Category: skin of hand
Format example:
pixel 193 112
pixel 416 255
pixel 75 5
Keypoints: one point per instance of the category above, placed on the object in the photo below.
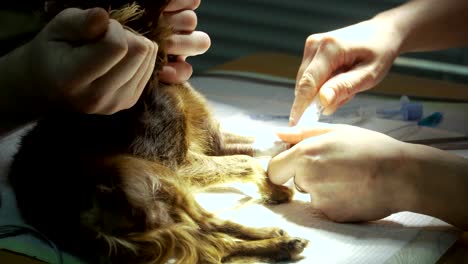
pixel 338 64
pixel 86 61
pixel 185 42
pixel 353 174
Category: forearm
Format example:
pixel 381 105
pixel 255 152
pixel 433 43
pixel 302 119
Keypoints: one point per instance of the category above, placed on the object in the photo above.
pixel 426 25
pixel 19 103
pixel 438 182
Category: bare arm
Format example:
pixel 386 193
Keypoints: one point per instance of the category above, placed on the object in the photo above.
pixel 438 185
pixel 429 24
pixel 17 102
pixel 338 64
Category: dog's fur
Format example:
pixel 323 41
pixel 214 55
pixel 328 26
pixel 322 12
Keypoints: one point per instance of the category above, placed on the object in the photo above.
pixel 120 188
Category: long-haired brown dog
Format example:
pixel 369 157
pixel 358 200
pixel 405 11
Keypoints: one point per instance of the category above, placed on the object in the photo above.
pixel 120 188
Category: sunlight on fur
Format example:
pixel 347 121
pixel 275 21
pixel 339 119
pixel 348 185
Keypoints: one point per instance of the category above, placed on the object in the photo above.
pixel 136 173
pixel 266 141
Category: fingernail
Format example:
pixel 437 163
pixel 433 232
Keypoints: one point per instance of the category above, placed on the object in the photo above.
pixel 327 96
pixel 95 22
pixel 292 122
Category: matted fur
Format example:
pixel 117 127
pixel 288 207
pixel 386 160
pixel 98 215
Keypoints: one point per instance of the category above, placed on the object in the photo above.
pixel 119 188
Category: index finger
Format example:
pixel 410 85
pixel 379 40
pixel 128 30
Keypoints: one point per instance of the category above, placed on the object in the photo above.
pixel 192 44
pixel 178 5
pixel 325 61
pixel 300 103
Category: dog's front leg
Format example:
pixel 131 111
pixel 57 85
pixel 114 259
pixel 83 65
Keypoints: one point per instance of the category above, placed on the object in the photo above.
pixel 204 171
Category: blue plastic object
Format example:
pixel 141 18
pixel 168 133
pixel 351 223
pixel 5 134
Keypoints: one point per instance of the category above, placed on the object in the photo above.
pixel 432 120
pixel 409 111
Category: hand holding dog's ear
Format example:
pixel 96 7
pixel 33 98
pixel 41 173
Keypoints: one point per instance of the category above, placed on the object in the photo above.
pixel 88 61
pixel 85 60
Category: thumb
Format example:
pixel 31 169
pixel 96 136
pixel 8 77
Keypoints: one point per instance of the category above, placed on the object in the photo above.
pixel 282 167
pixel 345 85
pixel 75 25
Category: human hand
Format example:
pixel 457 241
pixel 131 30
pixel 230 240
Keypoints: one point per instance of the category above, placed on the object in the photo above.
pixel 185 42
pixel 87 61
pixel 351 174
pixel 338 64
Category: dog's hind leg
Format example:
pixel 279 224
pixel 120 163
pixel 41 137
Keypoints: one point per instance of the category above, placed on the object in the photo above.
pixel 239 243
pixel 211 223
pixel 277 249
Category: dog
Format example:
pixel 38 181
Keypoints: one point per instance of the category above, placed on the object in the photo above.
pixel 119 188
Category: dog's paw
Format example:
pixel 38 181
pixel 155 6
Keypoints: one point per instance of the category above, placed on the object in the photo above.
pixel 277 194
pixel 275 232
pixel 291 248
pixel 271 149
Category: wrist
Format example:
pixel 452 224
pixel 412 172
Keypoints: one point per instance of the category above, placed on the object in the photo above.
pixel 410 174
pixel 19 94
pixel 437 184
pixel 397 32
pixel 12 71
pixel 400 173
